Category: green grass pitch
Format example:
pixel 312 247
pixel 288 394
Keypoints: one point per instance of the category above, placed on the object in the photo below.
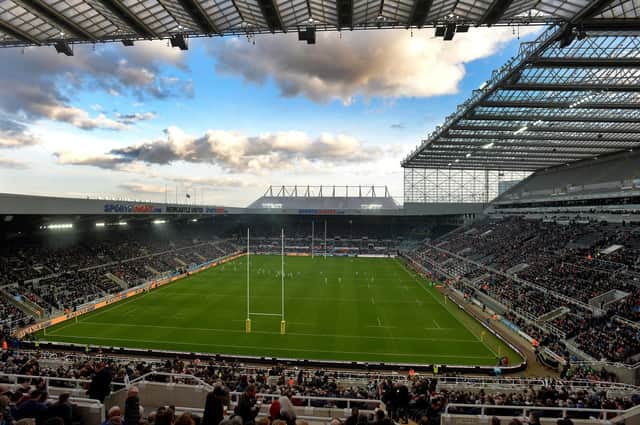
pixel 338 308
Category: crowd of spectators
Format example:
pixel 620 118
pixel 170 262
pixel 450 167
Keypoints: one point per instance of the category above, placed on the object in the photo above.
pixel 610 340
pixel 589 373
pixel 356 246
pixel 531 265
pixel 57 280
pixel 420 398
pixel 12 316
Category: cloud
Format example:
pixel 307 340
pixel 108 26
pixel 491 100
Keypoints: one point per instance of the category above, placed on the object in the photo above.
pixel 40 84
pixel 12 164
pixel 129 119
pixel 14 134
pixel 236 152
pixel 142 188
pixel 388 64
pixel 105 162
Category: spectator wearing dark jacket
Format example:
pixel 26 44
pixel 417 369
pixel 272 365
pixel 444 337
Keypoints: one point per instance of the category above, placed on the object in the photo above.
pixel 214 406
pixel 100 386
pixel 132 407
pixel 246 407
pixel 34 407
pixel 61 409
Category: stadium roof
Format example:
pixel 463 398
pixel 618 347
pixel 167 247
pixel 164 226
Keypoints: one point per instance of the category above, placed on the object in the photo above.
pixel 572 94
pixel 63 22
pixel 357 198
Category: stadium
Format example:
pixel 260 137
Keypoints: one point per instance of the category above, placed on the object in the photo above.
pixel 501 285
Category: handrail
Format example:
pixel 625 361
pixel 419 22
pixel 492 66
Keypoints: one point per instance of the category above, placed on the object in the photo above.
pixel 526 410
pixel 526 382
pixel 364 377
pixel 235 395
pixel 172 378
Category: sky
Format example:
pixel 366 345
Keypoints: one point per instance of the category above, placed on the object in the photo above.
pixel 231 116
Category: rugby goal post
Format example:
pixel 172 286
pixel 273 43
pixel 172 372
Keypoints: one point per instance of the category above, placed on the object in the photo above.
pixel 283 323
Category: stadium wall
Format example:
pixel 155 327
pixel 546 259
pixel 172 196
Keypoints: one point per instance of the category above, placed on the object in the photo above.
pixel 16 204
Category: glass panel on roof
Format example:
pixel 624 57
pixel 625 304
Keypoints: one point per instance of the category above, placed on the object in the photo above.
pixel 223 13
pixel 251 13
pixel 471 10
pixel 27 22
pixel 152 14
pixel 84 16
pixel 627 9
pixel 397 11
pixel 365 11
pixel 440 9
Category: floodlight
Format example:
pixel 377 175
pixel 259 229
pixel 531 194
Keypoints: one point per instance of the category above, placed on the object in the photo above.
pixel 311 35
pixel 449 32
pixel 179 40
pixel 63 47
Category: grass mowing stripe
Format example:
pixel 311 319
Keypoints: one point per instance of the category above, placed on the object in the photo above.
pixel 279 348
pixel 225 330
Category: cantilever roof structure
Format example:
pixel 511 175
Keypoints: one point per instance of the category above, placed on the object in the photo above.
pixel 64 22
pixel 565 97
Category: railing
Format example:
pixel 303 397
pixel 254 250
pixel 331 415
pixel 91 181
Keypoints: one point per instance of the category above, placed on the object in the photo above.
pixel 520 383
pixel 50 381
pixel 308 401
pixel 524 411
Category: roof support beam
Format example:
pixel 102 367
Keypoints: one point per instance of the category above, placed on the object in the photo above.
pixel 471 145
pixel 271 15
pixel 199 16
pixel 593 7
pixel 572 87
pixel 509 156
pixel 419 13
pixel 611 25
pixel 584 62
pixel 57 19
pixel 483 165
pixel 541 153
pixel 550 104
pixel 444 168
pixel 495 12
pixel 117 8
pixel 558 118
pixel 18 33
pixel 344 8
pixel 546 129
pixel 560 141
